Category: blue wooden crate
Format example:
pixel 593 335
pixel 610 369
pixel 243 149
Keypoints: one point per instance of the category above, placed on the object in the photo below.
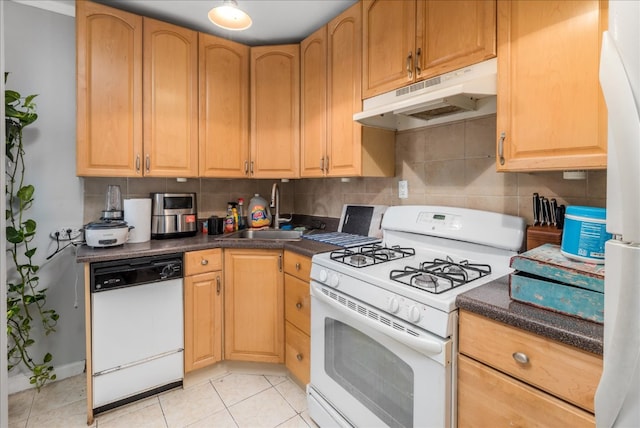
pixel 557 296
pixel 546 262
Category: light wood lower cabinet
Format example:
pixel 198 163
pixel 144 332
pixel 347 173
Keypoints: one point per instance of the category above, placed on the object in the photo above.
pixel 254 305
pixel 203 298
pixel 510 377
pixel 297 312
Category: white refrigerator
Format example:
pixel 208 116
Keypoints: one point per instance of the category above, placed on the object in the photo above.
pixel 617 401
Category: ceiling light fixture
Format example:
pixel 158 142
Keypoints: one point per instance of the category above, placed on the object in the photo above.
pixel 229 16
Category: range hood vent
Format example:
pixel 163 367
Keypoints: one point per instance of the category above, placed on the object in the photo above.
pixel 460 94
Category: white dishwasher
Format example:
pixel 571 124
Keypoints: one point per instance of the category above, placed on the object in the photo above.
pixel 137 339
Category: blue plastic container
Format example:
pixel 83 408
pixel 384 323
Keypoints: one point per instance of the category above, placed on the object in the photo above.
pixel 584 234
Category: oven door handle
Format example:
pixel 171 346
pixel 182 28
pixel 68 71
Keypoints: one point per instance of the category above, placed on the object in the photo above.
pixel 427 347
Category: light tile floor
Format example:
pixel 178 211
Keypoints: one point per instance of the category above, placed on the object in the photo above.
pixel 228 400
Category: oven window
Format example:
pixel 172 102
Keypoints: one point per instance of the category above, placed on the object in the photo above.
pixel 371 373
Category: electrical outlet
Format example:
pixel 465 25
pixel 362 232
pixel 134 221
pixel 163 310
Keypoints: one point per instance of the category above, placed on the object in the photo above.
pixel 403 189
pixel 66 234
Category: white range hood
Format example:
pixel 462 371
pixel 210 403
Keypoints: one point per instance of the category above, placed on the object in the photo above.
pixel 460 94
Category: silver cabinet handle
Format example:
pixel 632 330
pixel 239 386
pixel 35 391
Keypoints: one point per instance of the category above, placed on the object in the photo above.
pixel 138 163
pixel 280 263
pixel 298 305
pixel 501 147
pixel 297 266
pixel 204 262
pixel 409 70
pixel 321 164
pixel 417 62
pixel 147 163
pixel 246 167
pixel 299 357
pixel 218 285
pixel 520 357
pixel 251 168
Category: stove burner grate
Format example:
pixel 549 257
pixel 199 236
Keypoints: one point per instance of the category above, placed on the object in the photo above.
pixel 439 275
pixel 370 254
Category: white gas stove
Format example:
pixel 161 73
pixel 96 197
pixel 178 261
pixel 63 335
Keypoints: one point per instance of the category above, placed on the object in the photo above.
pixel 395 301
pixel 428 256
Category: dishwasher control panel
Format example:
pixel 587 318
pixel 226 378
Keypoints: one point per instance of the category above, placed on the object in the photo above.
pixel 115 274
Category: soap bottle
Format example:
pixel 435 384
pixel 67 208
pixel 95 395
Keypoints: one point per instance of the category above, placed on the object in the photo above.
pixel 259 214
pixel 241 218
pixel 229 225
pixel 234 211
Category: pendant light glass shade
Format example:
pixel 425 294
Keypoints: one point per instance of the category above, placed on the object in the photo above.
pixel 229 17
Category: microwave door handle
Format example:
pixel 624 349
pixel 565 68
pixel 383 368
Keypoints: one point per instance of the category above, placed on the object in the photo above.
pixel 425 346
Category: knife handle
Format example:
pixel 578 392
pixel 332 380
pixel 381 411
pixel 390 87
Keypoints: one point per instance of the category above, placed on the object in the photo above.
pixel 536 209
pixel 560 216
pixel 546 211
pixel 552 211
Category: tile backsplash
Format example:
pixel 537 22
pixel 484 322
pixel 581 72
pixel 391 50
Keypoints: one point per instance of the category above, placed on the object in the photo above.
pixel 450 165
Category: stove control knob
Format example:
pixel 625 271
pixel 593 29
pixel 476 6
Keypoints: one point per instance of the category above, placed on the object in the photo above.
pixel 414 314
pixel 323 276
pixel 394 305
pixel 334 280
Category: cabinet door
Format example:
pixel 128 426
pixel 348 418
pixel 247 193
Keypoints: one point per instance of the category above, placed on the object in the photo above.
pixel 254 305
pixel 224 107
pixel 202 320
pixel 551 112
pixel 109 91
pixel 170 100
pixel 275 111
pixel 453 34
pixel 389 31
pixel 344 142
pixel 488 398
pixel 313 111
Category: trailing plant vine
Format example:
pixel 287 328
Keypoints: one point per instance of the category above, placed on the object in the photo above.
pixel 25 300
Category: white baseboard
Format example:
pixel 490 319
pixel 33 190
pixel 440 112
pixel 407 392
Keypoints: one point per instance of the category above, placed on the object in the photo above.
pixel 20 381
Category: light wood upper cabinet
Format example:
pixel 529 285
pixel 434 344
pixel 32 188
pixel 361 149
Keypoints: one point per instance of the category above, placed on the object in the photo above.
pixel 551 112
pixel 203 308
pixel 333 144
pixel 275 111
pixel 170 67
pixel 313 104
pixel 454 34
pixel 109 91
pixel 254 305
pixel 224 107
pixel 408 41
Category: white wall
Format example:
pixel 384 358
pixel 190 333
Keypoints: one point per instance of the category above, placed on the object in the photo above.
pixel 40 56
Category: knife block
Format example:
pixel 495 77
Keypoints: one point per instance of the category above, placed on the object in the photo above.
pixel 539 235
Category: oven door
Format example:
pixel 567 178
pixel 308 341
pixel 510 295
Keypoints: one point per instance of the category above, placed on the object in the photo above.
pixel 371 369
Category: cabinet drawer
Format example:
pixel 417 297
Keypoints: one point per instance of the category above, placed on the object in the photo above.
pixel 297 265
pixel 196 262
pixel 488 398
pixel 297 303
pixel 562 370
pixel 297 352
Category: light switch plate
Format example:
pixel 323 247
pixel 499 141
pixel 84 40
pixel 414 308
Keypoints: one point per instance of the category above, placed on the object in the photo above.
pixel 403 189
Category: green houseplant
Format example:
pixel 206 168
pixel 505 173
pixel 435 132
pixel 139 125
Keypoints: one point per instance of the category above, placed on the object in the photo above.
pixel 26 302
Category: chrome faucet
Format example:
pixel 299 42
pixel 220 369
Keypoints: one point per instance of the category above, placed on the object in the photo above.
pixel 275 203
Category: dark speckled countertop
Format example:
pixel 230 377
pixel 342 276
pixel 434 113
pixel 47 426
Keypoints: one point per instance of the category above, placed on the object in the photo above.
pixel 492 301
pixel 87 254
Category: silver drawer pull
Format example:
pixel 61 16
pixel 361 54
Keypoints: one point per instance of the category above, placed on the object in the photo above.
pixel 520 357
pixel 299 305
pixel 204 262
pixel 297 266
pixel 299 357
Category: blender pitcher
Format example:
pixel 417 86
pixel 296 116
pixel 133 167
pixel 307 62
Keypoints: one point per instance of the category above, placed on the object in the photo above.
pixel 113 204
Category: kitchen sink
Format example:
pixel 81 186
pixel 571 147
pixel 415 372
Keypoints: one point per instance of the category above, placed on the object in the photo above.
pixel 266 234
